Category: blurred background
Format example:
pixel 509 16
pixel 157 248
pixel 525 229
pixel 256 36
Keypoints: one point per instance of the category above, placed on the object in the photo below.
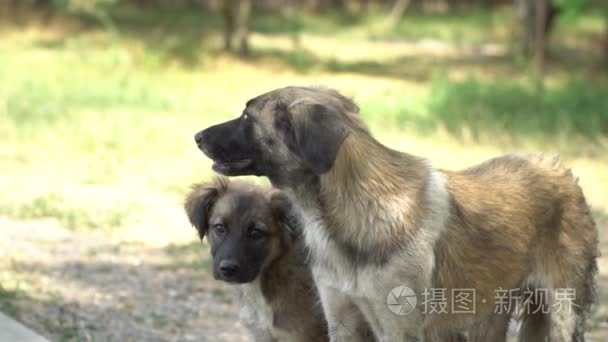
pixel 100 99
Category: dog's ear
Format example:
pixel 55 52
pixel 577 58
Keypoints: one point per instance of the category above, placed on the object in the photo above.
pixel 315 134
pixel 285 214
pixel 200 201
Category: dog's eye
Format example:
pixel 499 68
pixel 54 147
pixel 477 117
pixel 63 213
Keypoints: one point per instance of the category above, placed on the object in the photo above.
pixel 245 116
pixel 256 234
pixel 219 228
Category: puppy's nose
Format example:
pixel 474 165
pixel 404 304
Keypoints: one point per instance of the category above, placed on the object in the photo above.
pixel 229 267
pixel 198 137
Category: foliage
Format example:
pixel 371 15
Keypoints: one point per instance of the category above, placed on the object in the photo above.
pixel 70 215
pixel 571 8
pixel 575 108
pixel 103 111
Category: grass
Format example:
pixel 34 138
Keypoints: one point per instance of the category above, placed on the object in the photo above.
pixel 575 109
pixel 71 215
pixel 94 122
pixel 7 299
pixel 194 255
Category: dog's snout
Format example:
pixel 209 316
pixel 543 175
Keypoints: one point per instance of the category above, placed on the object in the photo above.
pixel 198 137
pixel 229 267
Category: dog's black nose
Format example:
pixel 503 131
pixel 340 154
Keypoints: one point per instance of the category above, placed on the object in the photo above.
pixel 228 267
pixel 198 137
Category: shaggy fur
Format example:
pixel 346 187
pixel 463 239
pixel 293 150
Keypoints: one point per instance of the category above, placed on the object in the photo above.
pixel 376 218
pixel 280 301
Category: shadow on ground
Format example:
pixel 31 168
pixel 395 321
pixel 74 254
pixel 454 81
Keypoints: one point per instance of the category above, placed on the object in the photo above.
pixel 83 286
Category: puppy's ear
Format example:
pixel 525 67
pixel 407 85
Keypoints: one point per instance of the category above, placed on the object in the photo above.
pixel 200 201
pixel 314 133
pixel 285 214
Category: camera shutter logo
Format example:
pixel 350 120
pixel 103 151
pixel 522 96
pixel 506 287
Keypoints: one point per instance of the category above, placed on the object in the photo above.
pixel 401 300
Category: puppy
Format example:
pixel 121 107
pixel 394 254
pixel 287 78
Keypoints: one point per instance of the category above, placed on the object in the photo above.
pixel 255 243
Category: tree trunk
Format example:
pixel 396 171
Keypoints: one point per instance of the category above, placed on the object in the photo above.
pixel 228 15
pixel 397 12
pixel 435 6
pixel 242 26
pixel 606 38
pixel 541 42
pixel 313 6
pixel 537 17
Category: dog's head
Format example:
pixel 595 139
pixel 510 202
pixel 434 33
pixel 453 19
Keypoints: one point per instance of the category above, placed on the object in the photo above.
pixel 287 131
pixel 247 227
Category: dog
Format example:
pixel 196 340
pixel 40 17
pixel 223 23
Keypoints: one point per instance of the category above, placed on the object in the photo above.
pixel 376 218
pixel 255 242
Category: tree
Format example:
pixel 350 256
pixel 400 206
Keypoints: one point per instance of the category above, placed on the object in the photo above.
pixel 537 19
pixel 606 36
pixel 399 8
pixel 237 14
pixel 541 42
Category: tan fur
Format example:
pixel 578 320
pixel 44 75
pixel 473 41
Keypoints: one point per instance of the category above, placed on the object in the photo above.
pixel 524 220
pixel 378 218
pixel 511 218
pixel 281 304
pixel 395 202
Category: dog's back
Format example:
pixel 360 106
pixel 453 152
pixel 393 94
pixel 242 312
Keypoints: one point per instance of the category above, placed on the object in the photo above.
pixel 526 225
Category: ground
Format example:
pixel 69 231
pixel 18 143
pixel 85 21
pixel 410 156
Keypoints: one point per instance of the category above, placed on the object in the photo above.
pixel 148 282
pixel 92 287
pixel 97 151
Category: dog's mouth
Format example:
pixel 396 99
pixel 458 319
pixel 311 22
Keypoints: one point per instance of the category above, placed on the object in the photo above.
pixel 231 168
pixel 235 281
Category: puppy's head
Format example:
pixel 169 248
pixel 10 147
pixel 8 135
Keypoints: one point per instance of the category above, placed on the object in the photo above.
pixel 247 227
pixel 286 132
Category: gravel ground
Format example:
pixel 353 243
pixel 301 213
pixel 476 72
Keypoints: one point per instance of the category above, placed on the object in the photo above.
pixel 92 286
pixel 88 286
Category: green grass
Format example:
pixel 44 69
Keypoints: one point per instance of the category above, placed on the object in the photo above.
pixel 194 255
pixel 116 112
pixel 474 26
pixel 7 301
pixel 75 216
pixel 574 109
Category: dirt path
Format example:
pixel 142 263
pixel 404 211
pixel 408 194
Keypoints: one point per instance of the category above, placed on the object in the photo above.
pixel 91 286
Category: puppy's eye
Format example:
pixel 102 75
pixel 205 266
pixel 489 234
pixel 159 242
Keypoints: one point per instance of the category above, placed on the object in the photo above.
pixel 256 234
pixel 245 116
pixel 219 228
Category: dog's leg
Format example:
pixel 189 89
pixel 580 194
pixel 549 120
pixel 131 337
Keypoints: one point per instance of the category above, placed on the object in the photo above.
pixel 389 326
pixel 344 319
pixel 563 317
pixel 561 324
pixel 431 333
pixel 494 328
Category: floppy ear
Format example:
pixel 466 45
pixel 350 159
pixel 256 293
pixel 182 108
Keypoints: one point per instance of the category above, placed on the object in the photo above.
pixel 200 201
pixel 285 214
pixel 318 133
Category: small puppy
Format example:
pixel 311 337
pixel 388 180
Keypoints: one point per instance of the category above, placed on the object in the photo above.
pixel 255 242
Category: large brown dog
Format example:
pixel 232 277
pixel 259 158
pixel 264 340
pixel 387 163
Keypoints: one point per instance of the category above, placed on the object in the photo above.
pixel 376 218
pixel 255 242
